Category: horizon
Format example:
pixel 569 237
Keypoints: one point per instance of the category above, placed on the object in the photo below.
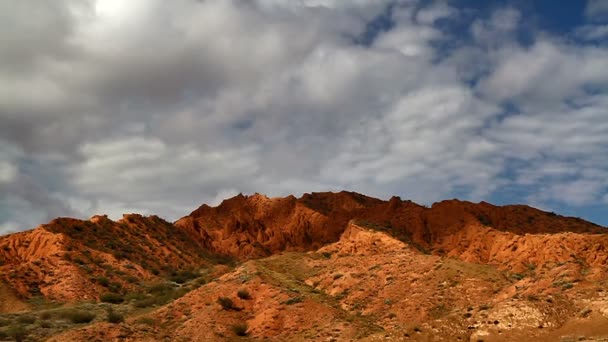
pixel 151 107
pixel 300 196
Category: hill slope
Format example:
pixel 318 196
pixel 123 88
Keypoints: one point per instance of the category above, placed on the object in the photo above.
pixel 324 266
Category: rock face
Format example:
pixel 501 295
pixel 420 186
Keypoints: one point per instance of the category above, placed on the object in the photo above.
pixel 510 236
pixel 256 226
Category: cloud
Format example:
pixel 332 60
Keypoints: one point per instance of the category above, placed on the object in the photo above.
pixel 156 107
pixel 592 32
pixel 597 9
pixel 545 73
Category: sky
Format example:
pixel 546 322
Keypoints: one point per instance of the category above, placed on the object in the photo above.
pixel 155 107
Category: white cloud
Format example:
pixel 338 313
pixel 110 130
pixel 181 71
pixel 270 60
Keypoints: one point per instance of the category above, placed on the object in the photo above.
pixel 592 32
pixel 597 9
pixel 156 106
pixel 546 73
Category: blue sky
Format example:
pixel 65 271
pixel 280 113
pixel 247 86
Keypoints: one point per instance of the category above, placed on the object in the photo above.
pixel 155 107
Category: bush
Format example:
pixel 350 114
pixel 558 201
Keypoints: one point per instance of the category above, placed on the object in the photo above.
pixel 146 302
pixel 26 319
pixel 115 317
pixel 45 315
pixel 111 297
pixel 183 276
pixel 103 281
pixel 79 317
pixel 132 279
pixel 146 320
pixel 17 332
pixel 240 329
pixel 243 294
pixel 226 303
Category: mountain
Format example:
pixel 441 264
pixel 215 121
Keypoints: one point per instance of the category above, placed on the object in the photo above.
pixel 324 266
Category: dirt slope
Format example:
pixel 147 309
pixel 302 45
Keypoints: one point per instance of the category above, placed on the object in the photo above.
pixel 69 259
pixel 369 286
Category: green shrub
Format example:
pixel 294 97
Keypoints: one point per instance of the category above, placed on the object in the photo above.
pixel 114 287
pixel 114 317
pixel 145 302
pixel 135 296
pixel 79 316
pixel 183 276
pixel 243 294
pixel 146 320
pixel 240 329
pixel 131 279
pixel 103 281
pixel 17 332
pixel 45 324
pixel 160 288
pixel 111 297
pixel 226 303
pixel 45 315
pixel 26 319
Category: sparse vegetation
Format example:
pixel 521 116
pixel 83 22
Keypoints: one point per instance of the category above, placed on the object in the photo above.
pixel 103 281
pixel 226 303
pixel 17 332
pixel 183 276
pixel 294 300
pixel 146 320
pixel 114 317
pixel 26 319
pixel 78 316
pixel 517 276
pixel 243 294
pixel 240 329
pixel 111 297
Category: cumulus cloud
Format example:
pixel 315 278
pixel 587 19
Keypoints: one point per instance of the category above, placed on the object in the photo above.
pixel 155 106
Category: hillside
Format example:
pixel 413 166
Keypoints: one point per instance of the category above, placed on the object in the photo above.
pixel 325 266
